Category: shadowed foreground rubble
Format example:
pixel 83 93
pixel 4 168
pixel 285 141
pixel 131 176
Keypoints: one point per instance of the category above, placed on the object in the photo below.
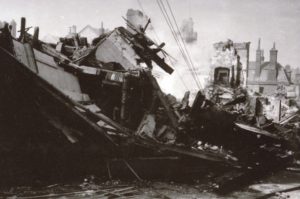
pixel 92 187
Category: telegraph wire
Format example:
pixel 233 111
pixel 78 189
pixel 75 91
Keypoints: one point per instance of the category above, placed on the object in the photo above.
pixel 169 22
pixel 180 45
pixel 156 35
pixel 174 34
pixel 179 32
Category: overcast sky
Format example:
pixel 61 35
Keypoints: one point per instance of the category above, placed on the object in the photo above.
pixel 215 20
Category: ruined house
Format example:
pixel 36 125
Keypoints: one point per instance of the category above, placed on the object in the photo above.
pixel 231 61
pixel 91 32
pixel 267 76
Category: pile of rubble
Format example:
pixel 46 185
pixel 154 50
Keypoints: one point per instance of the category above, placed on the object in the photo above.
pixel 224 124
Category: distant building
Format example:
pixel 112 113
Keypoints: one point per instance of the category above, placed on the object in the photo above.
pixel 91 33
pixel 187 31
pixel 267 76
pixel 295 76
pixel 72 31
pixel 88 31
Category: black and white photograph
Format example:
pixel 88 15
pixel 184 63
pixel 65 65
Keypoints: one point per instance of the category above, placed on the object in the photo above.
pixel 143 99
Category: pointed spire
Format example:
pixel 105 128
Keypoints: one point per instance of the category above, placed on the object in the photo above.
pixel 274 46
pixel 258 60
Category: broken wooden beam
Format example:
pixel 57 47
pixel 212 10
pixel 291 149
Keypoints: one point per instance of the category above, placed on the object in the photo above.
pixel 30 58
pixel 255 130
pixel 106 119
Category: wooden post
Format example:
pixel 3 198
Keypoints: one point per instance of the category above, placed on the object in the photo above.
pixel 277 108
pixel 76 40
pixel 232 84
pixel 22 31
pixel 125 85
pixel 35 39
pixel 238 72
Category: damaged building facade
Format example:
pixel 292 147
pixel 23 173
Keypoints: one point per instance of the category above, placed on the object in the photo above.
pixel 230 62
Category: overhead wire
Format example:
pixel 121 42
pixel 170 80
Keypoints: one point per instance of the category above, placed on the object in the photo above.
pixel 156 35
pixel 151 26
pixel 181 47
pixel 183 42
pixel 167 19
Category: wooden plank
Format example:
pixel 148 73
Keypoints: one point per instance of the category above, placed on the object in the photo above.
pixel 255 130
pixel 287 119
pixel 107 120
pixel 30 58
pixel 186 152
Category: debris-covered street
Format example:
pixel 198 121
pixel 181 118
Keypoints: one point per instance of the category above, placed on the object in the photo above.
pixel 117 112
pixel 287 182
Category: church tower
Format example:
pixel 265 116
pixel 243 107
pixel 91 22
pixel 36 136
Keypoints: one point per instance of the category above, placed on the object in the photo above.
pixel 273 55
pixel 273 70
pixel 258 60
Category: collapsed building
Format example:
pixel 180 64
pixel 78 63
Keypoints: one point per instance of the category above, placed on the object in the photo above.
pixel 101 98
pixel 233 59
pixel 255 109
